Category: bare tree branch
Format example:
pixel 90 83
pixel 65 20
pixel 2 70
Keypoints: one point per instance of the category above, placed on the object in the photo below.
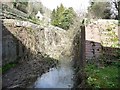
pixel 116 4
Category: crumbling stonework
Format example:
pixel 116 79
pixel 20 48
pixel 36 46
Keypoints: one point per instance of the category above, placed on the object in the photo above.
pixel 101 34
pixel 49 40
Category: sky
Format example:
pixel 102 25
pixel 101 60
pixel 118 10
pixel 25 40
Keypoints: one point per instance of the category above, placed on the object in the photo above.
pixel 78 5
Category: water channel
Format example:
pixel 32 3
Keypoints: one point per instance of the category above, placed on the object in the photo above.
pixel 59 77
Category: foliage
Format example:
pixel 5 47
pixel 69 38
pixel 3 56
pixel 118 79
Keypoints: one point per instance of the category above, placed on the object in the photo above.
pixel 118 22
pixel 118 10
pixel 100 10
pixel 35 7
pixel 113 41
pixel 62 17
pixel 8 66
pixel 116 4
pixel 34 20
pixel 21 5
pixel 112 37
pixel 42 11
pixel 106 77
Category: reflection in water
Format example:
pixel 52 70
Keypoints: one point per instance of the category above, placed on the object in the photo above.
pixel 60 77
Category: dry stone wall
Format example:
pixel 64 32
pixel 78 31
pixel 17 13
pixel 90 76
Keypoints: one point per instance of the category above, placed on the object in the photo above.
pixel 101 38
pixel 47 40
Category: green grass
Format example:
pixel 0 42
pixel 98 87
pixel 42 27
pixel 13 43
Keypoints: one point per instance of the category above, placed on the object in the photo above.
pixel 106 77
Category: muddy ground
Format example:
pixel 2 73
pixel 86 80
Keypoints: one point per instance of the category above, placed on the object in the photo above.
pixel 25 73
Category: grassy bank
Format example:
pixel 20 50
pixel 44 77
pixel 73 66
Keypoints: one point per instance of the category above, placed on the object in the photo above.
pixel 106 77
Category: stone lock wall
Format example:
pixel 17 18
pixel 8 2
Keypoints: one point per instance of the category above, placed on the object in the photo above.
pixel 101 38
pixel 21 37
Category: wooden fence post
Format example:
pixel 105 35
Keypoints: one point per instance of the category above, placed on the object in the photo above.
pixel 82 55
pixel 82 46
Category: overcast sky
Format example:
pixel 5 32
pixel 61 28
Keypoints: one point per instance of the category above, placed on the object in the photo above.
pixel 78 5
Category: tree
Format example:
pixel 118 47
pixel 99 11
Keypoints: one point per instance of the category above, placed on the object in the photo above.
pixel 21 5
pixel 118 10
pixel 67 18
pixel 59 15
pixel 42 11
pixel 53 16
pixel 100 10
pixel 61 9
pixel 117 7
pixel 62 17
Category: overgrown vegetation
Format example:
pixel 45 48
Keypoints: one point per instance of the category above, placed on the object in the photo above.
pixel 99 10
pixel 8 66
pixel 34 20
pixel 62 17
pixel 106 77
pixel 105 72
pixel 104 10
pixel 21 5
